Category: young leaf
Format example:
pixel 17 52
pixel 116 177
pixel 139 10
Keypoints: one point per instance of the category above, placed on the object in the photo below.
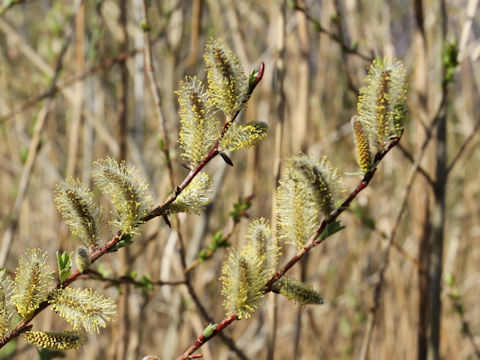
pixel 64 266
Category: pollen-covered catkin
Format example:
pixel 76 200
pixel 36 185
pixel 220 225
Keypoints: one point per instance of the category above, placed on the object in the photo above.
pixel 381 102
pixel 227 82
pixel 79 209
pixel 199 126
pixel 32 282
pixel 82 307
pixel 300 292
pixel 127 191
pixel 82 259
pixel 6 306
pixel 362 144
pixel 65 340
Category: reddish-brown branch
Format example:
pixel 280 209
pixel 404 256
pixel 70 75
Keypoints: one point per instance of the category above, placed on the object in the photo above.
pixel 203 339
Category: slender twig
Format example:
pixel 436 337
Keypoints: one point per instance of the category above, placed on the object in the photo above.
pixel 209 252
pixel 112 281
pixel 420 169
pixel 202 339
pixel 466 330
pixel 346 48
pixel 9 4
pixel 156 92
pixel 467 141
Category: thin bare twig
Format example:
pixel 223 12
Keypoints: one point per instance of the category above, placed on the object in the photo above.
pixel 460 152
pixel 112 281
pixel 156 92
pixel 346 48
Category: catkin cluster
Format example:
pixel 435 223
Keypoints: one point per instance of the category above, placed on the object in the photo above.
pixel 312 189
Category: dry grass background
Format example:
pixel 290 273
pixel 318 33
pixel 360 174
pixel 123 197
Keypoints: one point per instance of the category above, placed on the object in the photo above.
pixel 82 124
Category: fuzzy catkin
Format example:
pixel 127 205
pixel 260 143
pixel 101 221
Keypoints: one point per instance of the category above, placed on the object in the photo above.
pixel 79 209
pixel 362 144
pixel 381 102
pixel 127 191
pixel 227 82
pixel 82 307
pixel 32 282
pixel 199 126
pixel 65 340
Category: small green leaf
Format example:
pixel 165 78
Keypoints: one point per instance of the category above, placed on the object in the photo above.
pixel 145 283
pixel 209 330
pixel 361 214
pixel 240 208
pixel 125 240
pixel 331 229
pixel 131 275
pixel 103 270
pixel 450 280
pixel 47 354
pixel 64 266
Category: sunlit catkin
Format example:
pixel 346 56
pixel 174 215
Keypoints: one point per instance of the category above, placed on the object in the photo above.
pixel 82 308
pixel 300 292
pixel 261 247
pixel 381 103
pixel 65 340
pixel 199 128
pixel 362 144
pixel 79 209
pixel 82 259
pixel 194 197
pixel 243 136
pixel 296 210
pixel 6 306
pixel 127 191
pixel 322 181
pixel 227 82
pixel 245 272
pixel 242 284
pixel 32 282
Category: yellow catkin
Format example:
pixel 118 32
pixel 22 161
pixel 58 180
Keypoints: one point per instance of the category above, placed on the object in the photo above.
pixel 127 191
pixel 82 307
pixel 227 82
pixel 65 340
pixel 381 102
pixel 32 282
pixel 362 145
pixel 81 213
pixel 199 126
pixel 300 292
